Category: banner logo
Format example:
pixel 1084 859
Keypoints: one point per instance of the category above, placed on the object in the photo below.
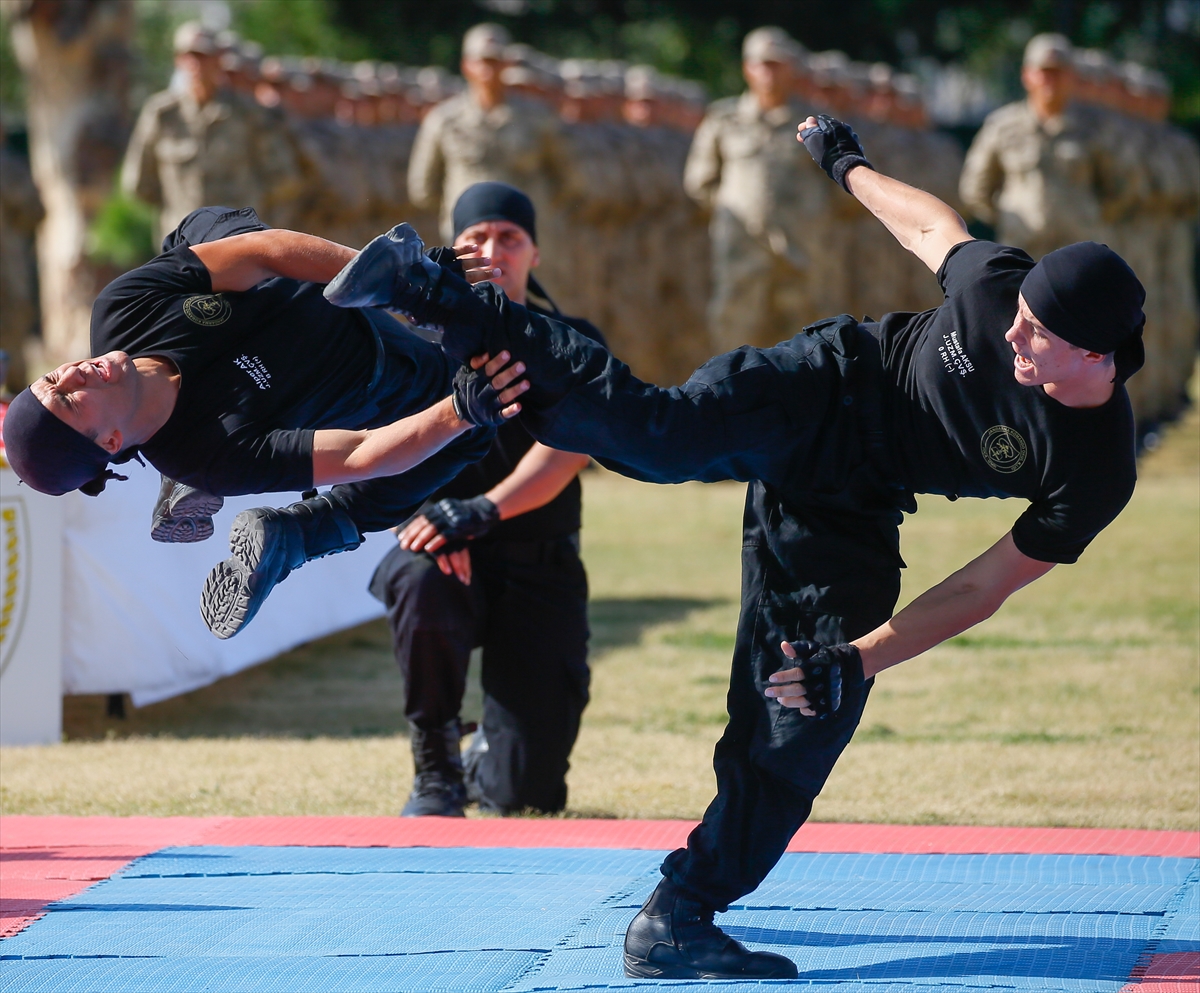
pixel 15 562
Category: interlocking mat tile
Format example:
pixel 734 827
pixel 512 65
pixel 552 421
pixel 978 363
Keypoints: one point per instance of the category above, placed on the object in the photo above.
pixel 129 911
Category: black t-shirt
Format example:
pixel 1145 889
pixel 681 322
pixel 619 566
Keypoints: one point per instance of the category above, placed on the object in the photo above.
pixel 260 371
pixel 557 519
pixel 963 426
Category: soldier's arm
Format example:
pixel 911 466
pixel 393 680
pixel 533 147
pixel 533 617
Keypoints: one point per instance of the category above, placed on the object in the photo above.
pixel 921 222
pixel 541 475
pixel 350 456
pixel 243 261
pixel 982 176
pixel 139 171
pixel 702 173
pixel 959 602
pixel 426 165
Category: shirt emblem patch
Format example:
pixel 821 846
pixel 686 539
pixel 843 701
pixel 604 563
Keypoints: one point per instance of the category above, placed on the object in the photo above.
pixel 1003 448
pixel 208 310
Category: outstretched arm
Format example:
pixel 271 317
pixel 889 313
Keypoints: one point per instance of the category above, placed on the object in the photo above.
pixel 341 456
pixel 958 602
pixel 242 261
pixel 921 222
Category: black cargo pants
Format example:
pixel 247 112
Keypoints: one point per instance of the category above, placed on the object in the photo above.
pixel 802 423
pixel 527 607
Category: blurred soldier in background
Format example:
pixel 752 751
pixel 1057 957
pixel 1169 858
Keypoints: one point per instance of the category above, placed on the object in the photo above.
pixel 484 134
pixel 20 212
pixel 773 265
pixel 205 143
pixel 1040 170
pixel 517 587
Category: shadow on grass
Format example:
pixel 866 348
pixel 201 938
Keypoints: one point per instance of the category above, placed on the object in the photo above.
pixel 344 686
pixel 620 621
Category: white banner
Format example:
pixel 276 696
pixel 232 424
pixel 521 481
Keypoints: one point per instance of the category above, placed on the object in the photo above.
pixel 131 605
pixel 30 614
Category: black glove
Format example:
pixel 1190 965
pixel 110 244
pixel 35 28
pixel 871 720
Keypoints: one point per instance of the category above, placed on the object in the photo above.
pixel 447 258
pixel 828 671
pixel 835 148
pixel 475 399
pixel 459 520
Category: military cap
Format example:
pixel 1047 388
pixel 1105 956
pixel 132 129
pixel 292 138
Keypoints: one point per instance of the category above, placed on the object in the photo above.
pixel 771 45
pixel 485 41
pixel 1049 51
pixel 192 36
pixel 642 83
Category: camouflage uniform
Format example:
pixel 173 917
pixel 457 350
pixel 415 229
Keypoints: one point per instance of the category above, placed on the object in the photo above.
pixel 778 263
pixel 230 151
pixel 1044 184
pixel 460 144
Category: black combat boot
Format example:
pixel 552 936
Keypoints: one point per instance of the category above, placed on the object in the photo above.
pixel 394 271
pixel 182 513
pixel 267 544
pixel 438 789
pixel 674 937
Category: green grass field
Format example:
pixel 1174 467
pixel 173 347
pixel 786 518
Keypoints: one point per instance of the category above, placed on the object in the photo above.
pixel 1078 704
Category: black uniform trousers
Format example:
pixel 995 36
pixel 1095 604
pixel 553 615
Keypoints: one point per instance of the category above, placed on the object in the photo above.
pixel 802 423
pixel 527 607
pixel 383 502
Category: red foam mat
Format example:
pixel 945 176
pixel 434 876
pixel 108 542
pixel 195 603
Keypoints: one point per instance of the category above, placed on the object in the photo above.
pixel 145 834
pixel 1176 972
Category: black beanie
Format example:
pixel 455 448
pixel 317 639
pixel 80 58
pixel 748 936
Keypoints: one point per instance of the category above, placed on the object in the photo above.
pixel 494 202
pixel 1088 296
pixel 50 455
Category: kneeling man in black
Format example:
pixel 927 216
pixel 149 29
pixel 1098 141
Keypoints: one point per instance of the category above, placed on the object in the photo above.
pixel 221 362
pixel 492 560
pixel 1011 388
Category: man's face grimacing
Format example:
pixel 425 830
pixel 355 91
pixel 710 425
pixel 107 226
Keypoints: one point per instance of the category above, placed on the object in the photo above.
pixel 97 397
pixel 511 250
pixel 1041 356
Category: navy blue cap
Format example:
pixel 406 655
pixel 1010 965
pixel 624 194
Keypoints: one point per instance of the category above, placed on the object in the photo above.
pixel 1088 296
pixel 50 455
pixel 494 202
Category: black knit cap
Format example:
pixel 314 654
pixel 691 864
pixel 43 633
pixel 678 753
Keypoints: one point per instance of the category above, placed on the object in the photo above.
pixel 1088 296
pixel 494 202
pixel 50 455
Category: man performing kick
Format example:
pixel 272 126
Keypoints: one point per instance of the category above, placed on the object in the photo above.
pixel 1012 387
pixel 221 362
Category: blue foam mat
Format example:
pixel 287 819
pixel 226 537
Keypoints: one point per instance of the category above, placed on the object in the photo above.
pixel 346 919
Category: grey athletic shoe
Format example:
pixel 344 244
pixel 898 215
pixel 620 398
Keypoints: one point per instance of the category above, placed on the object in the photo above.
pixel 183 514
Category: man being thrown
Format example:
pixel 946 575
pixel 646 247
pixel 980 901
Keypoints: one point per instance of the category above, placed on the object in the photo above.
pixel 221 362
pixel 517 588
pixel 1012 387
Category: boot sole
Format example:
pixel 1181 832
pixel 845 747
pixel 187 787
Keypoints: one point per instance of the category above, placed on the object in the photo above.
pixel 188 520
pixel 641 969
pixel 226 600
pixel 182 530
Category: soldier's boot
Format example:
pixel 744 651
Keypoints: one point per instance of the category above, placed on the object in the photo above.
pixel 472 757
pixel 266 545
pixel 393 272
pixel 674 937
pixel 438 789
pixel 183 514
